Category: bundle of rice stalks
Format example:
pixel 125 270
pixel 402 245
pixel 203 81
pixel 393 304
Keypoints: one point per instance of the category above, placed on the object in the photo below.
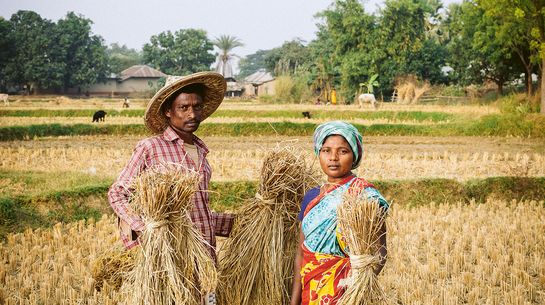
pixel 112 267
pixel 256 264
pixel 360 222
pixel 173 265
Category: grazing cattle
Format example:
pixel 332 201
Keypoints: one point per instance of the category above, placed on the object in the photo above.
pixel 99 116
pixel 5 98
pixel 306 114
pixel 367 98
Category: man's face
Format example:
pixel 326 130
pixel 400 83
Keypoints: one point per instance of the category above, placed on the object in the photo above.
pixel 185 113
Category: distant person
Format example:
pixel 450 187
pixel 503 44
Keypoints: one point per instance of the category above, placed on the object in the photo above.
pixel 333 96
pixel 318 101
pixel 126 102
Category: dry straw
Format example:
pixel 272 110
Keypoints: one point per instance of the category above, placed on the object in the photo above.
pixel 361 224
pixel 173 264
pixel 256 265
pixel 111 267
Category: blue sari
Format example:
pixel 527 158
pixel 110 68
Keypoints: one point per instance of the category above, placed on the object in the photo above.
pixel 325 260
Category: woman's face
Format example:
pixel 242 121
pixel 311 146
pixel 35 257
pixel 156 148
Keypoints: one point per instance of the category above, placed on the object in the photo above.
pixel 336 158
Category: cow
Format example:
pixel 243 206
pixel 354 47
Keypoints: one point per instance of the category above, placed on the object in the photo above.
pixel 367 98
pixel 5 98
pixel 99 116
pixel 306 114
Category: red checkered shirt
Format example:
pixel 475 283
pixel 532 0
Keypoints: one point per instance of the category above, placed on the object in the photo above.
pixel 167 147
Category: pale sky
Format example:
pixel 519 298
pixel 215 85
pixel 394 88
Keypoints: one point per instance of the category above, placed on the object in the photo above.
pixel 259 24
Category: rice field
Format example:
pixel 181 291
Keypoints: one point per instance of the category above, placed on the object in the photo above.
pixel 491 253
pixel 448 253
pixel 226 163
pixel 116 120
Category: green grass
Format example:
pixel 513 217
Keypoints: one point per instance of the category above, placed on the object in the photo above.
pixel 418 116
pixel 490 125
pixel 47 198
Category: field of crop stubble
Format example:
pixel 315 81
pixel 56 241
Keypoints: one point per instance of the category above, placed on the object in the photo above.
pixel 440 253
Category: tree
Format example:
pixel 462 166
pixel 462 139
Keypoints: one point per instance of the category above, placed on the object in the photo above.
pixel 6 51
pixel 409 41
pixel 476 55
pixel 524 20
pixel 122 57
pixel 352 34
pixel 36 60
pixel 288 58
pixel 184 52
pixel 226 44
pixel 83 54
pixel 252 63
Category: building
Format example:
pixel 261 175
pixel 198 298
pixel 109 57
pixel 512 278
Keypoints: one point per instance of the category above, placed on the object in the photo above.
pixel 259 83
pixel 136 80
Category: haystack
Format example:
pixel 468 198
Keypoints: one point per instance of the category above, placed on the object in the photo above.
pixel 256 264
pixel 173 265
pixel 360 222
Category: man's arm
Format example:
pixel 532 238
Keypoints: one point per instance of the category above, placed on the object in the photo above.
pixel 223 223
pixel 120 192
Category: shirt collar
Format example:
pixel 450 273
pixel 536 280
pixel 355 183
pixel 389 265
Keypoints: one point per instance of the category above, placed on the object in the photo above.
pixel 170 135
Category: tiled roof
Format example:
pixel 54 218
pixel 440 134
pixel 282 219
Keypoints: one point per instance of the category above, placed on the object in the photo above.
pixel 141 71
pixel 259 77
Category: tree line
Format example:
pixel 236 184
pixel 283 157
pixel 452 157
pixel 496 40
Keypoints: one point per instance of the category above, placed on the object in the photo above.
pixel 40 54
pixel 471 42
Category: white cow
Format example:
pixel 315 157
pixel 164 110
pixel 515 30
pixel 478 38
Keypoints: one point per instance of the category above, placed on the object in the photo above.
pixel 367 98
pixel 5 98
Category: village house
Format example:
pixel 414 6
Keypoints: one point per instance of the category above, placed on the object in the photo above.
pixel 259 83
pixel 136 80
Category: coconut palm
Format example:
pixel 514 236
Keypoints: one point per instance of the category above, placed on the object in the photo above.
pixel 226 44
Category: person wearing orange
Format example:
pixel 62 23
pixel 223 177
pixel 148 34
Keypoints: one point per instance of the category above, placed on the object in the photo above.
pixel 322 264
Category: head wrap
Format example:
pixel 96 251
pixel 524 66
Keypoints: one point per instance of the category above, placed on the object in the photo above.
pixel 347 131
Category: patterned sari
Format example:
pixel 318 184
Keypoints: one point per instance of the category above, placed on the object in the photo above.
pixel 325 261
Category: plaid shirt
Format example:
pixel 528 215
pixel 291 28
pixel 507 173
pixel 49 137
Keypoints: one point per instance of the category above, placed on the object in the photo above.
pixel 160 148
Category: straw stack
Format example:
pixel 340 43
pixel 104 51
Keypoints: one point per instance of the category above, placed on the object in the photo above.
pixel 360 222
pixel 256 263
pixel 173 266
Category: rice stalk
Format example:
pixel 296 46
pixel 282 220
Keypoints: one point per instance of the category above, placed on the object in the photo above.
pixel 111 267
pixel 173 264
pixel 256 264
pixel 360 222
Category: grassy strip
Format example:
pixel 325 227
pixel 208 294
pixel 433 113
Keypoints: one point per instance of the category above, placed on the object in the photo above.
pixel 68 112
pixel 44 209
pixel 418 116
pixel 491 125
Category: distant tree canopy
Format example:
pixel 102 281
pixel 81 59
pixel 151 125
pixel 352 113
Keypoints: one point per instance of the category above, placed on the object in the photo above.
pixel 122 57
pixel 252 63
pixel 180 53
pixel 51 55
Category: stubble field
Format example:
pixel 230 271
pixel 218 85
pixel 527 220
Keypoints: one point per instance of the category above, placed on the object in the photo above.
pixel 443 252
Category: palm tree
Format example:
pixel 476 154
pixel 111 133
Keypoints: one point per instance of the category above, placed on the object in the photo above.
pixel 226 44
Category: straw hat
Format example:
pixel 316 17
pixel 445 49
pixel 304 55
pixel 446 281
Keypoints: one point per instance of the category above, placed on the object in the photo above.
pixel 214 90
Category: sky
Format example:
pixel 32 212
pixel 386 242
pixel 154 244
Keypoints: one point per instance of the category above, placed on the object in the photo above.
pixel 259 24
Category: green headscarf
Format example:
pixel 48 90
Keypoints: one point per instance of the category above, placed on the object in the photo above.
pixel 347 131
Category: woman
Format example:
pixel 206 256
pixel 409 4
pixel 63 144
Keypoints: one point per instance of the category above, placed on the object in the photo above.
pixel 321 262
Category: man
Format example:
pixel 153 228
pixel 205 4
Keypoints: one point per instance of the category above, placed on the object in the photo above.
pixel 173 115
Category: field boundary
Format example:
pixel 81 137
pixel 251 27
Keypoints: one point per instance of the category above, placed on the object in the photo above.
pixel 491 125
pixel 21 212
